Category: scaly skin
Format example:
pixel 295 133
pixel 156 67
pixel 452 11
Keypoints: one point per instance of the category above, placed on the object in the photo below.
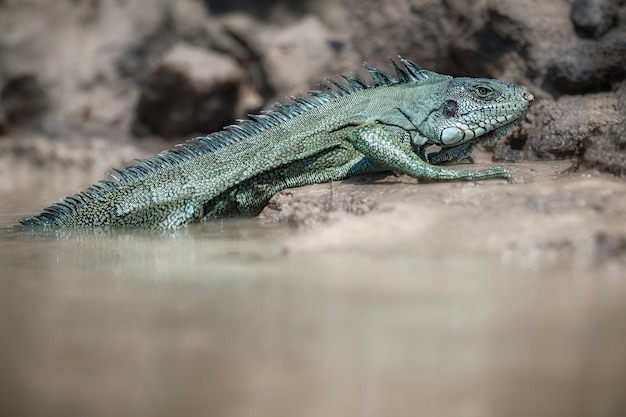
pixel 351 129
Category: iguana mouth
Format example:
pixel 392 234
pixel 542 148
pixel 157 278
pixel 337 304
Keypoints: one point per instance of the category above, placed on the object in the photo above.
pixel 489 138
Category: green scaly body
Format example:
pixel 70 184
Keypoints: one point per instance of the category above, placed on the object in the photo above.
pixel 349 129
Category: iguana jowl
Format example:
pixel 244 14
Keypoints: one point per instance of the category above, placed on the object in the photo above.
pixel 351 128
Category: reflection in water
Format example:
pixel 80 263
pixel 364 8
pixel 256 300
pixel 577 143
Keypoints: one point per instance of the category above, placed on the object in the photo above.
pixel 223 319
pixel 144 253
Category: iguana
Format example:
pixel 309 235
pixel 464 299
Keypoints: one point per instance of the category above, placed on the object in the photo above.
pixel 352 127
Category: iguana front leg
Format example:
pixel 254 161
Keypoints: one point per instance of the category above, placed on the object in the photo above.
pixel 381 149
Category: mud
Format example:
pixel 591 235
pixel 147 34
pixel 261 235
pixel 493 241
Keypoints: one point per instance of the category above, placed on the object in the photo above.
pixel 548 217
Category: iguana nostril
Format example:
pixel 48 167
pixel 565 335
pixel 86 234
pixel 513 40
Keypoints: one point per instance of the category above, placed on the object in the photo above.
pixel 528 97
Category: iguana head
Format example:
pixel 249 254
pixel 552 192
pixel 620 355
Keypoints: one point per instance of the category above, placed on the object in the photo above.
pixel 477 108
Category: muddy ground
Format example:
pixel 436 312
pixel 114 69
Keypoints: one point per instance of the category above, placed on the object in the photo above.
pixel 86 86
pixel 543 219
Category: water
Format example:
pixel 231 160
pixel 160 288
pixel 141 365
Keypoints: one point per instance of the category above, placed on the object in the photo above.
pixel 227 319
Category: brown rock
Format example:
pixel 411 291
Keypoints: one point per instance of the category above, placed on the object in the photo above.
pixel 590 66
pixel 595 17
pixel 192 90
pixel 608 152
pixel 564 128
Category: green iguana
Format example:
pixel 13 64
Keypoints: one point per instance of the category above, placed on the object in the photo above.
pixel 351 128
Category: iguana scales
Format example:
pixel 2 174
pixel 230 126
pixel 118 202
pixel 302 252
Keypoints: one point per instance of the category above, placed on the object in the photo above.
pixel 350 128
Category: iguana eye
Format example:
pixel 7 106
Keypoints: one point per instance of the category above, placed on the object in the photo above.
pixel 483 91
pixel 450 108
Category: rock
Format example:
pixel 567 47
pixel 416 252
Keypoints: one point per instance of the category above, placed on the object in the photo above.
pixel 594 17
pixel 281 12
pixel 22 101
pixel 503 152
pixel 192 90
pixel 379 30
pixel 566 127
pixel 591 66
pixel 72 50
pixel 608 152
pixel 511 40
pixel 287 59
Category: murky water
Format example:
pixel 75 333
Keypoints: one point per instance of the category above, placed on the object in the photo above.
pixel 223 320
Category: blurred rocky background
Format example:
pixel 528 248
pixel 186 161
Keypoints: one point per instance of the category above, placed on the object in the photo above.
pixel 95 83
